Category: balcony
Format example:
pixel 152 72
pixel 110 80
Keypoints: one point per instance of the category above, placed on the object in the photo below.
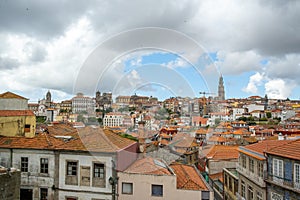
pixel 253 177
pixel 282 182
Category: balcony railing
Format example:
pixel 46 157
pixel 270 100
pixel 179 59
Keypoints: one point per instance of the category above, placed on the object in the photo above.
pixel 284 182
pixel 253 177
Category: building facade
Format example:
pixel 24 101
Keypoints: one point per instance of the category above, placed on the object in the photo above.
pixel 283 181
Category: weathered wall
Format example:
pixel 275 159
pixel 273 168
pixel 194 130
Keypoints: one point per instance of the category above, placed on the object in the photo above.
pixel 15 126
pixel 84 160
pixel 216 166
pixel 10 185
pixel 13 104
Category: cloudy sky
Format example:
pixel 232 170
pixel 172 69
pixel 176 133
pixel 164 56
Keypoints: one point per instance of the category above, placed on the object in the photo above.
pixel 165 48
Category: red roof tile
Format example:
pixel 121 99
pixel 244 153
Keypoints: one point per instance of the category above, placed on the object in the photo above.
pixel 65 137
pixel 148 165
pixel 289 150
pixel 10 95
pixel 221 152
pixel 188 177
pixel 9 113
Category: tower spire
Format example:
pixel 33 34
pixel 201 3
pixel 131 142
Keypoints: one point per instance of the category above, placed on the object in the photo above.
pixel 221 91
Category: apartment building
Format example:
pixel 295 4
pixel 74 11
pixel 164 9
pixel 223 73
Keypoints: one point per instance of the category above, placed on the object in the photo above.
pixel 252 169
pixel 65 163
pixel 283 180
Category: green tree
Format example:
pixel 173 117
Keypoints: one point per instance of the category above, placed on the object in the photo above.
pixel 269 115
pixel 80 118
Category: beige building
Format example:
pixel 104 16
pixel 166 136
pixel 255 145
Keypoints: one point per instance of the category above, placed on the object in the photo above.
pixel 152 179
pixel 17 123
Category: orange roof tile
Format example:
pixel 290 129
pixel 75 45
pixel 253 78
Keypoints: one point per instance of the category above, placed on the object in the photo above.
pixel 9 113
pixel 188 177
pixel 289 150
pixel 148 165
pixel 183 140
pixel 65 137
pixel 221 152
pixel 10 95
pixel 217 176
pixel 263 146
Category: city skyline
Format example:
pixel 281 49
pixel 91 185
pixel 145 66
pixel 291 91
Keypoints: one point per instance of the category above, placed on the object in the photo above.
pixel 254 45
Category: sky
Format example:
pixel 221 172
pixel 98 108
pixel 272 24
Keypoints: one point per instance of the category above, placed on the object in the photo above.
pixel 174 48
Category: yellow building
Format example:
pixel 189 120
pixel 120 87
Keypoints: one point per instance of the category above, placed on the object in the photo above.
pixel 17 123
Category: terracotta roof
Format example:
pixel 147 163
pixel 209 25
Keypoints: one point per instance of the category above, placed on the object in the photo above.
pixel 221 152
pixel 289 150
pixel 217 176
pixel 10 95
pixel 8 113
pixel 188 177
pixel 65 137
pixel 257 150
pixel 148 165
pixel 183 140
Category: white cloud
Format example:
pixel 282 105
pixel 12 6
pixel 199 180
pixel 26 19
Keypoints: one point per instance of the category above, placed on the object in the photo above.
pixel 238 62
pixel 178 62
pixel 279 89
pixel 254 81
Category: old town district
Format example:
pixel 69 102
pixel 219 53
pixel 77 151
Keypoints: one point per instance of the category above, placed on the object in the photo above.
pixel 137 147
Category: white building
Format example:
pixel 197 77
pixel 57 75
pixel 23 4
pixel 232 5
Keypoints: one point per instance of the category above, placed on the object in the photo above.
pixel 113 119
pixel 151 179
pixel 66 163
pixel 81 103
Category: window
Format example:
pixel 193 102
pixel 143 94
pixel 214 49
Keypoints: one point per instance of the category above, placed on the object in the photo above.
pixel 278 168
pixel 250 193
pixel 44 165
pixel 43 193
pixel 157 190
pixel 71 168
pixel 127 188
pixel 251 165
pixel 99 170
pixel 27 128
pixel 259 195
pixel 260 169
pixel 275 196
pixel 24 164
pixel 243 189
pixel 244 161
pixel 297 174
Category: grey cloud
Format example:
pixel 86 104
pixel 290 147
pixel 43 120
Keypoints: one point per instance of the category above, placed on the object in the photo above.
pixel 8 63
pixel 41 19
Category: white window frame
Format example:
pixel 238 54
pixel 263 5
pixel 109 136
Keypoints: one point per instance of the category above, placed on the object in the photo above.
pixel 127 188
pixel 278 168
pixel 275 196
pixel 297 175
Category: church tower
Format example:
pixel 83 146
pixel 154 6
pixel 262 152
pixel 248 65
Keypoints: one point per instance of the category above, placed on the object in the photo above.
pixel 48 99
pixel 221 91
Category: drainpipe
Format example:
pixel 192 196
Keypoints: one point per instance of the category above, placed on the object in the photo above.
pixel 11 158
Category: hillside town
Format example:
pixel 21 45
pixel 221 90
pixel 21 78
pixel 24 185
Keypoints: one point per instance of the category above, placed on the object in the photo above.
pixel 137 147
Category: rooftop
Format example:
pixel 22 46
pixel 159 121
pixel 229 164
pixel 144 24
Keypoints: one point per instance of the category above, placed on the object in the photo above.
pixel 221 152
pixel 257 150
pixel 10 95
pixel 149 165
pixel 65 137
pixel 10 113
pixel 188 178
pixel 289 150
